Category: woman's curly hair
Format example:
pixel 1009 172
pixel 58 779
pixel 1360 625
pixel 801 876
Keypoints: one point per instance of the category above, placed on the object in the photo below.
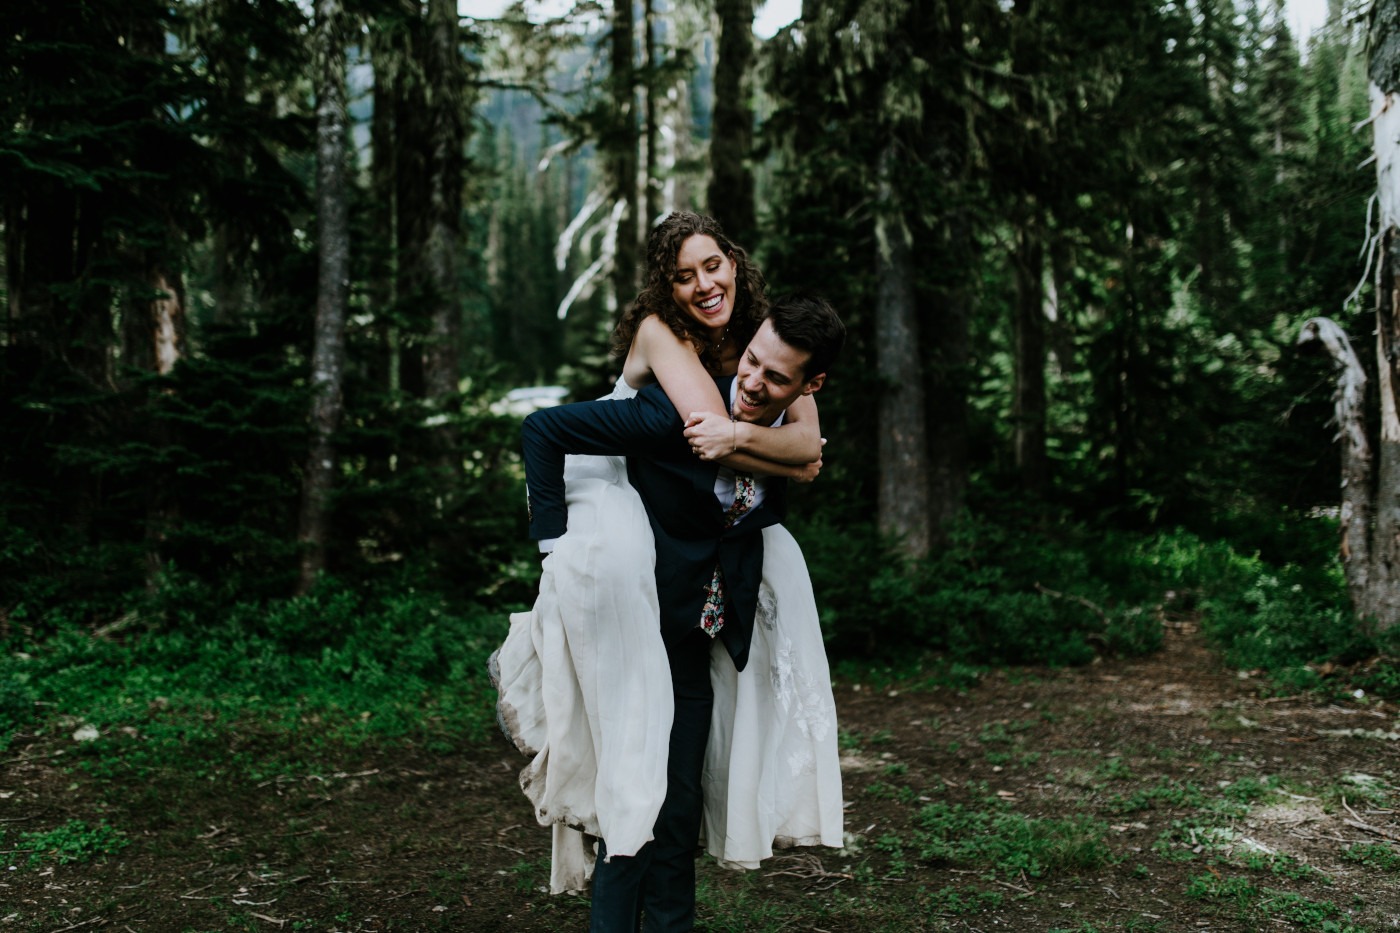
pixel 663 246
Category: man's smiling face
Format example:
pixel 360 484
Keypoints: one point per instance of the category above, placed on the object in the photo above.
pixel 771 377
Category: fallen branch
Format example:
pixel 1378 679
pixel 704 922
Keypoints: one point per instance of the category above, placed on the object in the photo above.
pixel 1015 887
pixel 1079 599
pixel 1367 827
pixel 76 925
pixel 14 761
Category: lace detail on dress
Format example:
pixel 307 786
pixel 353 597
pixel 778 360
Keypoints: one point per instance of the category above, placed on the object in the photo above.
pixel 767 610
pixel 798 693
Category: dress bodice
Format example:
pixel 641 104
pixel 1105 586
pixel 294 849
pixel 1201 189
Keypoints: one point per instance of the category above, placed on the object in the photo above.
pixel 621 389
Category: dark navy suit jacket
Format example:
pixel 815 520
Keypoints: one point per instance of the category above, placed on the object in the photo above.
pixel 677 489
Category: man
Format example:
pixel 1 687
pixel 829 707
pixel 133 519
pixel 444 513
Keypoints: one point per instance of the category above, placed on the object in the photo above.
pixel 709 564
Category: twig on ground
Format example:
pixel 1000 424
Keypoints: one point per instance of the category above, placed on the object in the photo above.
pixel 76 925
pixel 497 845
pixel 809 868
pixel 1383 833
pixel 1015 887
pixel 1354 814
pixel 15 761
pixel 197 890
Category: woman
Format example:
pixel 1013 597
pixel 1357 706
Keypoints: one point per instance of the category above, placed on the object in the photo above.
pixel 583 677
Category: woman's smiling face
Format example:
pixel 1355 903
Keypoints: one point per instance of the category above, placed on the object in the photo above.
pixel 703 285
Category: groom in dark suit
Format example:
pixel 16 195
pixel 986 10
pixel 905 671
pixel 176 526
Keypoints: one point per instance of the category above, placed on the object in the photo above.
pixel 709 563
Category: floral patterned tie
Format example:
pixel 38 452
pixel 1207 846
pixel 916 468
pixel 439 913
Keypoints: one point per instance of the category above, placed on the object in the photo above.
pixel 712 616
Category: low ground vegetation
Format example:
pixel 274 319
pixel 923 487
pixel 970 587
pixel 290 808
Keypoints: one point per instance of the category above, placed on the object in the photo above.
pixel 1220 756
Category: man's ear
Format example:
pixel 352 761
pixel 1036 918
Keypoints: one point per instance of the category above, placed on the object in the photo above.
pixel 814 384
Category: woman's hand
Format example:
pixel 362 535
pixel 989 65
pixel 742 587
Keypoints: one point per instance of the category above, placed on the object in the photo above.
pixel 807 471
pixel 711 435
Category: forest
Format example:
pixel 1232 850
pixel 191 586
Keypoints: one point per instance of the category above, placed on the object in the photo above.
pixel 282 277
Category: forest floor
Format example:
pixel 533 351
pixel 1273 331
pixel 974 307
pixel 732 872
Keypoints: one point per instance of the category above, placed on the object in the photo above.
pixel 1164 793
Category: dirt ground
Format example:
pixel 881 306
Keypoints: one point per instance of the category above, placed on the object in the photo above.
pixel 412 839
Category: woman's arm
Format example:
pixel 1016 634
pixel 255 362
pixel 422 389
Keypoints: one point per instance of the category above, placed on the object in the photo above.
pixel 690 388
pixel 714 436
pixel 798 472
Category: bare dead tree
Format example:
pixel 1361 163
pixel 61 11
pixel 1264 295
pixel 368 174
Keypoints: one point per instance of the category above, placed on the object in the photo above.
pixel 1371 494
pixel 1350 418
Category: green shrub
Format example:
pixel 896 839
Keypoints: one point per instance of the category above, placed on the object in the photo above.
pixel 1008 841
pixel 74 841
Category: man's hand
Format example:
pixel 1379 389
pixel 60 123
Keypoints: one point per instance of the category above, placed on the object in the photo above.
pixel 711 435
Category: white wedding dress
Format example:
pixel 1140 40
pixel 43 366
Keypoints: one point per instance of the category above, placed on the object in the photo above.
pixel 585 691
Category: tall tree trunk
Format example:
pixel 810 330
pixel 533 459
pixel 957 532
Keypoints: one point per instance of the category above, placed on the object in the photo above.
pixel 1383 583
pixel 228 61
pixel 442 350
pixel 621 151
pixel 159 336
pixel 1028 399
pixel 382 256
pixel 731 126
pixel 651 183
pixel 947 318
pixel 332 288
pixel 902 505
pixel 412 149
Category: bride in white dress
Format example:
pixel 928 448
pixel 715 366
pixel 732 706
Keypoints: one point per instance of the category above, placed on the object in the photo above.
pixel 583 677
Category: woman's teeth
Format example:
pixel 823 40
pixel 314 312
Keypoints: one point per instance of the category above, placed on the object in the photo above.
pixel 709 303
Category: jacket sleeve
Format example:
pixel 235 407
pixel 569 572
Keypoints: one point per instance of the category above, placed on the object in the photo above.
pixel 612 427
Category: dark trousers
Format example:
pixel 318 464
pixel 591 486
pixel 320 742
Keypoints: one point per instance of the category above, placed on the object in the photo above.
pixel 659 881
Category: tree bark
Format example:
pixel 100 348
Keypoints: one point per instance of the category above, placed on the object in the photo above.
pixel 381 252
pixel 650 182
pixel 730 196
pixel 442 350
pixel 1383 582
pixel 621 151
pixel 1028 401
pixel 412 149
pixel 1350 415
pixel 332 291
pixel 947 403
pixel 902 504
